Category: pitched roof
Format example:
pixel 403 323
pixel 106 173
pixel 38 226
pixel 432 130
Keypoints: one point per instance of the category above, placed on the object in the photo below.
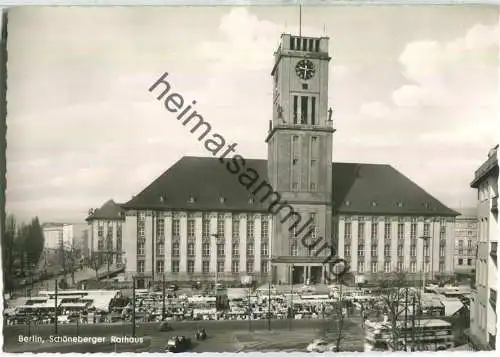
pixel 199 183
pixel 109 210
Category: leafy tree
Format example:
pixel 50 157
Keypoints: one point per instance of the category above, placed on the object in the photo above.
pixel 33 242
pixel 8 241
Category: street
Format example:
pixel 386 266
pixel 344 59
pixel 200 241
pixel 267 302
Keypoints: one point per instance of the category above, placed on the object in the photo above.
pixel 223 336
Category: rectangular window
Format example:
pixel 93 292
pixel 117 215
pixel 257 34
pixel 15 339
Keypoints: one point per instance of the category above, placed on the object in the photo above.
pixel 400 250
pixel 401 231
pixel 361 231
pixel 460 261
pixel 220 250
pixel 304 44
pixel 175 249
pixel 303 109
pixel 250 250
pixel 220 266
pixel 347 250
pixel 220 225
pixel 191 227
pixel 311 45
pixel 295 108
pixel 264 250
pixel 160 266
pixel 292 43
pixel 250 266
pixel 313 110
pixel 140 266
pixel 427 229
pixel 400 266
pixel 190 266
pixel 160 228
pixel 374 267
pixel 235 266
pixel 387 231
pixel 413 251
pixel 205 267
pixel 140 248
pixel 374 231
pixel 161 248
pixel 441 267
pixel 317 45
pixel 264 228
pixel 347 233
pixel 387 267
pixel 387 250
pixel 361 267
pixel 205 226
pixel 469 262
pixel 191 252
pixel 205 248
pixel 361 250
pixel 250 227
pixel 236 227
pixel 413 267
pixel 374 250
pixel 413 231
pixel 175 227
pixel 175 266
pixel 264 267
pixel 235 250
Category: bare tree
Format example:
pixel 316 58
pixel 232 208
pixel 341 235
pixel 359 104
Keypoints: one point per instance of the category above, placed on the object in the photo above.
pixel 95 263
pixel 396 299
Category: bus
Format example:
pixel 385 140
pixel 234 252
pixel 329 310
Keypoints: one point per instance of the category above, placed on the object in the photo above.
pixel 425 335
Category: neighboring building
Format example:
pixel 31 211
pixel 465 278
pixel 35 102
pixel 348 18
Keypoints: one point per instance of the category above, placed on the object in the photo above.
pixel 483 329
pixel 466 235
pixel 63 235
pixel 371 213
pixel 105 227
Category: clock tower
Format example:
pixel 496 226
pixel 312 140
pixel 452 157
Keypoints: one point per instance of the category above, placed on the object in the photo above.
pixel 300 157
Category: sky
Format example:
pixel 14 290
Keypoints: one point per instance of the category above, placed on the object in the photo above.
pixel 415 87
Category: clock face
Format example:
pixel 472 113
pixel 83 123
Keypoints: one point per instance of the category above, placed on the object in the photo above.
pixel 305 69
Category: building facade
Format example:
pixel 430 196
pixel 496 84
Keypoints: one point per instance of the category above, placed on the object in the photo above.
pixel 483 331
pixel 280 218
pixel 105 234
pixel 64 236
pixel 466 236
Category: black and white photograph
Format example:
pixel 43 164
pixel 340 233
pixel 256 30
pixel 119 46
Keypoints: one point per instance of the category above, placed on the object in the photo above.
pixel 302 177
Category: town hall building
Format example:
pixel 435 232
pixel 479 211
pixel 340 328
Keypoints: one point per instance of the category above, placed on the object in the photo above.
pixel 203 220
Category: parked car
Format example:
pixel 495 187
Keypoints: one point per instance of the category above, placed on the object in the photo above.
pixel 165 326
pixel 178 344
pixel 320 345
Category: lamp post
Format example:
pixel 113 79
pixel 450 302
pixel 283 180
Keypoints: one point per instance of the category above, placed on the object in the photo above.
pixel 216 237
pixel 291 298
pixel 425 240
pixel 247 281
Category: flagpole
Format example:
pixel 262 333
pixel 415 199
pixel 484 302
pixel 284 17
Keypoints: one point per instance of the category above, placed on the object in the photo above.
pixel 300 18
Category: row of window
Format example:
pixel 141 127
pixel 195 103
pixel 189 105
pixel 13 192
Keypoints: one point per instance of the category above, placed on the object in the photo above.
pixel 205 266
pixel 388 250
pixel 461 261
pixel 388 230
pixel 191 224
pixel 109 231
pixel 205 249
pixel 301 109
pixel 108 244
pixel 374 267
